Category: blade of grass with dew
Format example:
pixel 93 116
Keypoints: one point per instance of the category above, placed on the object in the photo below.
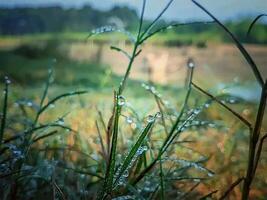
pixel 172 26
pixel 108 182
pixel 4 112
pixel 254 22
pixel 247 123
pixel 110 29
pixel 238 44
pixel 167 142
pixel 50 73
pixel 169 137
pixel 60 97
pixel 129 158
pixel 135 52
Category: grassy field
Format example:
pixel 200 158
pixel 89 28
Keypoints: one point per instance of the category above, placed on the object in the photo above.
pixel 209 154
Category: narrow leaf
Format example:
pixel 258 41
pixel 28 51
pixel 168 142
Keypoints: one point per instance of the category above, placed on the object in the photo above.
pixel 238 44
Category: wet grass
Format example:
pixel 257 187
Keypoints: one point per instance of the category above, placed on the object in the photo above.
pixel 137 141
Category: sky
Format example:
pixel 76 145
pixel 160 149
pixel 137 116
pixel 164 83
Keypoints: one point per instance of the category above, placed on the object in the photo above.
pixel 180 10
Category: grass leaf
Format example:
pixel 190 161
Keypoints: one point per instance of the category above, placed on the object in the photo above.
pixel 238 44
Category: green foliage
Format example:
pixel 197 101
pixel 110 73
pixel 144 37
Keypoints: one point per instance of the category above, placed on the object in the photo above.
pixel 139 159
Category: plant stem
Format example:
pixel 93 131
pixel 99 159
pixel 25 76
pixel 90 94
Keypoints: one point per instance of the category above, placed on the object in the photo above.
pixel 254 137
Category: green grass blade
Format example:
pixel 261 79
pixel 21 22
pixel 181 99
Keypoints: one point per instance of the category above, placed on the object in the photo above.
pixel 44 136
pixel 110 29
pixel 104 152
pixel 238 44
pixel 121 50
pixel 171 26
pixel 108 182
pixel 254 22
pixel 156 19
pixel 50 73
pixel 129 158
pixel 208 196
pixel 141 20
pixel 162 186
pixel 31 131
pixel 247 123
pixel 4 112
pixel 60 97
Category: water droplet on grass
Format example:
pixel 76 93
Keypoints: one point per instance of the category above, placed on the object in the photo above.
pixel 190 63
pixel 158 115
pixel 150 118
pixel 129 120
pixel 7 81
pixel 52 106
pixel 121 100
pixel 232 101
pixel 61 121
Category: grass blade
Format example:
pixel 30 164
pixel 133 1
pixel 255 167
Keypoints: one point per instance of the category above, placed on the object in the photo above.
pixel 44 136
pixel 108 182
pixel 104 152
pixel 110 29
pixel 156 19
pixel 121 50
pixel 162 186
pixel 50 73
pixel 209 195
pixel 238 44
pixel 60 97
pixel 227 192
pixel 225 106
pixel 4 112
pixel 254 22
pixel 134 149
pixel 171 26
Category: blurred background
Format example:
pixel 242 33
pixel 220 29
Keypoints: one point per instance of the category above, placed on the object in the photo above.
pixel 36 35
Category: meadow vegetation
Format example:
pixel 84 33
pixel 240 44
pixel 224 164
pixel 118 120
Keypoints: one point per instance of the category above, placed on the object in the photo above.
pixel 76 130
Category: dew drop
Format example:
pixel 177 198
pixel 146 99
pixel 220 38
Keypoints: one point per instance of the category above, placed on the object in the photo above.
pixel 196 111
pixel 129 120
pixel 207 105
pixel 52 106
pixel 61 121
pixel 211 125
pixel 133 125
pixel 153 90
pixel 121 100
pixel 210 174
pixel 29 104
pixel 145 148
pixel 150 118
pixel 158 115
pixel 190 63
pixel 232 101
pixel 147 87
pixel 7 81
